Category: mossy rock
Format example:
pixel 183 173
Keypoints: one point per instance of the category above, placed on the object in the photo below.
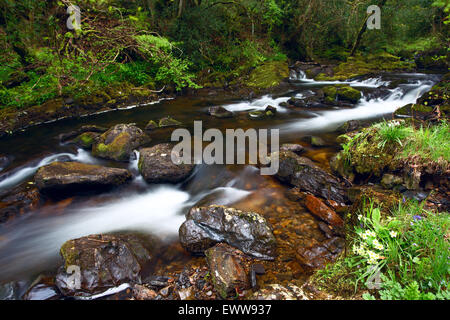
pixel 360 65
pixel 268 75
pixel 417 111
pixel 119 142
pixel 365 155
pixel 169 122
pixel 151 125
pixel 86 140
pixel 341 92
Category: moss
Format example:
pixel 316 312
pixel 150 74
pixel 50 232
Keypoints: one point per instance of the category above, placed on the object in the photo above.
pixel 169 122
pixel 69 253
pixel 269 74
pixel 116 149
pixel 362 65
pixel 341 92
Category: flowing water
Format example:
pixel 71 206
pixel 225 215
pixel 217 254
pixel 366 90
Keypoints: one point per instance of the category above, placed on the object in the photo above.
pixel 29 244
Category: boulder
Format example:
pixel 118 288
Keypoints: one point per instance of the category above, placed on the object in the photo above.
pixel 156 165
pixel 103 261
pixel 119 142
pixel 318 208
pixel 73 177
pixel 295 148
pixel 341 92
pixel 247 231
pixel 228 269
pixel 304 174
pixel 220 112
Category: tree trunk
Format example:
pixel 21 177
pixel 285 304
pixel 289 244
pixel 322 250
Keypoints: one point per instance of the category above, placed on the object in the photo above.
pixel 362 30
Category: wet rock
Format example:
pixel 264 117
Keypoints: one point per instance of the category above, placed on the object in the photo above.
pixel 317 142
pixel 349 126
pixel 43 288
pixel 318 255
pixel 322 211
pixel 141 292
pixel 416 111
pixel 87 128
pixel 270 111
pixel 75 177
pixel 247 231
pixel 169 122
pixel 19 201
pixel 186 294
pixel 228 269
pixel 151 125
pixel 278 292
pixel 256 114
pixel 119 142
pixel 156 165
pixel 304 174
pixel 86 140
pixel 307 102
pixel 220 112
pixel 389 181
pixel 341 92
pixel 103 261
pixel 295 148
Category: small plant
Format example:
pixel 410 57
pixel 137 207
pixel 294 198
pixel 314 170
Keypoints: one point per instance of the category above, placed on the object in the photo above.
pixel 391 132
pixel 403 255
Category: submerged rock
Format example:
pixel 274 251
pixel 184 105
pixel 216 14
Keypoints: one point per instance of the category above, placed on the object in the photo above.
pixel 247 231
pixel 19 201
pixel 318 208
pixel 220 112
pixel 304 174
pixel 318 255
pixel 168 122
pixel 228 269
pixel 72 177
pixel 156 165
pixel 119 142
pixel 151 125
pixel 103 261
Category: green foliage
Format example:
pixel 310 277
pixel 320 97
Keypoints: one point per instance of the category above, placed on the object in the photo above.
pixel 408 250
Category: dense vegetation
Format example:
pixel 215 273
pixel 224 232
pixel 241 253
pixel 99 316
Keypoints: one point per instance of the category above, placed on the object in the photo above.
pixel 157 44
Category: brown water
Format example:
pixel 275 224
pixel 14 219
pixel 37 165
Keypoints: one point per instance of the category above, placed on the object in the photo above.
pixel 29 244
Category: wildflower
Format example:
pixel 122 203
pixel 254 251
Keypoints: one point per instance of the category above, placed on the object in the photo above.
pixel 377 245
pixel 417 218
pixel 371 233
pixel 393 234
pixel 359 216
